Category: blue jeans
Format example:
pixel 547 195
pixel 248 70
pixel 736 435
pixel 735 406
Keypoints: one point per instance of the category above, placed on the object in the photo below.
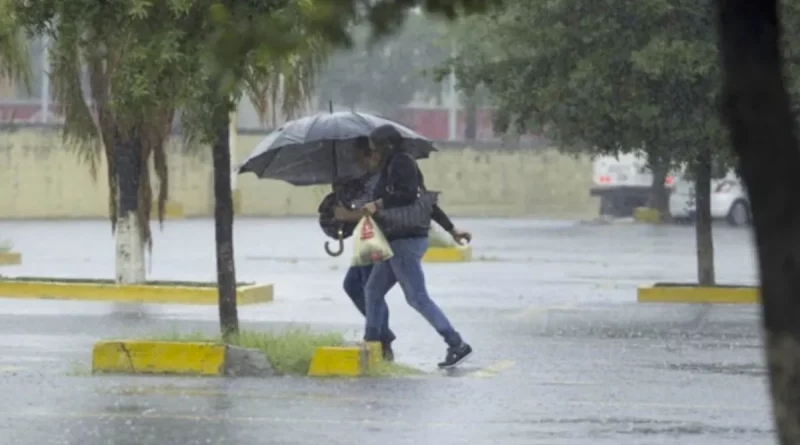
pixel 404 268
pixel 354 282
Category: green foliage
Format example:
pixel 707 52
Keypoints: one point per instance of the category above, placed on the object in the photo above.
pixel 289 351
pixel 601 76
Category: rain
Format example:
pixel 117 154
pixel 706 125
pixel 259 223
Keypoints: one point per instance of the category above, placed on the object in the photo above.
pixel 204 207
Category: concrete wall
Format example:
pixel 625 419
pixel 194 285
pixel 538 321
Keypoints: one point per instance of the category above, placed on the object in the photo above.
pixel 41 177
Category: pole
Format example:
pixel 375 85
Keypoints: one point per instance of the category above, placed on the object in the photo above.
pixel 44 109
pixel 452 115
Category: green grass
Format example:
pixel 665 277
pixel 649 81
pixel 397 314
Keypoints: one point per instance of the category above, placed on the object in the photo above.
pixel 289 351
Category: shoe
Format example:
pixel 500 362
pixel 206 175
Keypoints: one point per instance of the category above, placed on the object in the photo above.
pixel 455 356
pixel 388 354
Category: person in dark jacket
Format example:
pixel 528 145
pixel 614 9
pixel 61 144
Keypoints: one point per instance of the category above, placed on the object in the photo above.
pixel 399 185
pixel 355 279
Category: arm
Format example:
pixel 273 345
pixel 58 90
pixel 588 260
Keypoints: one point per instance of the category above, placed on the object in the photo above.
pixel 340 213
pixel 403 181
pixel 442 219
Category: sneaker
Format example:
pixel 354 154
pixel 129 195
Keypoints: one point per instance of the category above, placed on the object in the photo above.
pixel 455 356
pixel 388 354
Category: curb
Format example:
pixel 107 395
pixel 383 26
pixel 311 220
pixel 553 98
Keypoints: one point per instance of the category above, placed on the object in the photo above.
pixel 182 358
pixel 646 215
pixel 10 258
pixel 172 210
pixel 456 254
pixel 345 361
pixel 153 292
pixel 698 295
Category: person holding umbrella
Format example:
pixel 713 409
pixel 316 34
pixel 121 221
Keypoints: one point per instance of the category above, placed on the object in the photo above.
pixel 400 187
pixel 355 279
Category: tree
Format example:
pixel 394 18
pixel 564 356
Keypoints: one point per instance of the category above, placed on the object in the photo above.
pixel 135 55
pixel 762 126
pixel 14 59
pixel 606 77
pixel 276 68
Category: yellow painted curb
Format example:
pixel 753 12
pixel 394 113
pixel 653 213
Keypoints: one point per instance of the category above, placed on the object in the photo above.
pixel 164 293
pixel 10 258
pixel 157 357
pixel 454 254
pixel 703 295
pixel 646 215
pixel 172 210
pixel 345 361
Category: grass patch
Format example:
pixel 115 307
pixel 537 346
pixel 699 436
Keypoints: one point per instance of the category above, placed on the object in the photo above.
pixel 289 351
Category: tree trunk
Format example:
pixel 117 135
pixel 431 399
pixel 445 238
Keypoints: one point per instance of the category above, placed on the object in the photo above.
pixel 703 234
pixel 223 223
pixel 757 112
pixel 130 255
pixel 471 119
pixel 659 195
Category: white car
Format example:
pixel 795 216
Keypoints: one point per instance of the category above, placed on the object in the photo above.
pixel 729 200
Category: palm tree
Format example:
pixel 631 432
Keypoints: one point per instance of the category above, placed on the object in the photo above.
pixel 132 72
pixel 15 63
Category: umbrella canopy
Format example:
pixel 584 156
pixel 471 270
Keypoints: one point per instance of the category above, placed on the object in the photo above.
pixel 319 149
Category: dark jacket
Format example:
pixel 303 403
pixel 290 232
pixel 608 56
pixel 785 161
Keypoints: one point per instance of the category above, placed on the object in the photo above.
pixel 398 186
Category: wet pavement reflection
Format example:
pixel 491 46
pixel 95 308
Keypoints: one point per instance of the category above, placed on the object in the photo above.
pixel 564 355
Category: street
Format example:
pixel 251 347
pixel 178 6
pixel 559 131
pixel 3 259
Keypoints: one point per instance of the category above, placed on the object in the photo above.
pixel 563 353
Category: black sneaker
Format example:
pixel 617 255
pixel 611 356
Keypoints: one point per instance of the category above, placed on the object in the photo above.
pixel 388 354
pixel 455 356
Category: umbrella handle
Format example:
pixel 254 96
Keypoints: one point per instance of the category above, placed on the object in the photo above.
pixel 341 246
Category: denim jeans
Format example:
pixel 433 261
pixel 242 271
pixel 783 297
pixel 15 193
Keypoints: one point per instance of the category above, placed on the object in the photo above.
pixel 404 268
pixel 354 282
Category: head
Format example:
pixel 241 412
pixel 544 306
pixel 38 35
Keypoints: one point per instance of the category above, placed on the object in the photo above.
pixel 386 139
pixel 366 157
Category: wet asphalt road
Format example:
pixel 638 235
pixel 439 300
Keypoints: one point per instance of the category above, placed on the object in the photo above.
pixel 564 355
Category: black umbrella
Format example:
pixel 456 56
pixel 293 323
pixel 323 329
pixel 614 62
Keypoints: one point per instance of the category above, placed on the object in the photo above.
pixel 319 149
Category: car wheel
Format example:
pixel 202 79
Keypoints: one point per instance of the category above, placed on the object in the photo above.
pixel 739 214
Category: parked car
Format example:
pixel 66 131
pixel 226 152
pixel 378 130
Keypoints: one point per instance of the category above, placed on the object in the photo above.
pixel 729 200
pixel 623 183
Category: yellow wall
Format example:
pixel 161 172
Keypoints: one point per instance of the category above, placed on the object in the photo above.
pixel 40 177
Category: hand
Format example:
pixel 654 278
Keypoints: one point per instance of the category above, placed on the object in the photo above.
pixel 461 235
pixel 370 208
pixel 340 213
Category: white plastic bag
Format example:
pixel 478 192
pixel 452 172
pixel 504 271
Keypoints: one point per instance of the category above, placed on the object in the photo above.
pixel 369 244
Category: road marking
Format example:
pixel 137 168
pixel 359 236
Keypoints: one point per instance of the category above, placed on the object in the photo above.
pixel 493 369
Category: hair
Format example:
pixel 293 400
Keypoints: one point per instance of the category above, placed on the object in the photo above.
pixel 361 145
pixel 387 139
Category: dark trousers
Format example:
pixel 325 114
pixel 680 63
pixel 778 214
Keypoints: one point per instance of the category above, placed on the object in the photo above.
pixel 354 282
